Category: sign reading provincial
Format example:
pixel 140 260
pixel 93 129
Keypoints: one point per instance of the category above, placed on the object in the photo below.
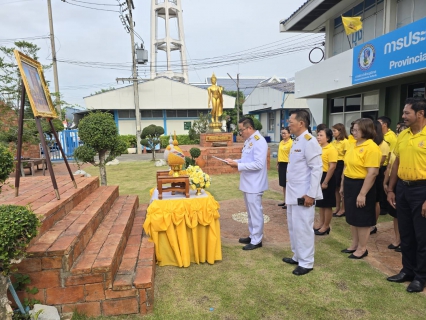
pixel 400 51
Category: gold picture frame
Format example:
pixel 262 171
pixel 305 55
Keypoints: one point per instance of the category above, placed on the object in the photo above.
pixel 35 86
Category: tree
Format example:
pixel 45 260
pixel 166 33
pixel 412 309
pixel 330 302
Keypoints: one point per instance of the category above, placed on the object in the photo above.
pixel 151 137
pixel 100 136
pixel 200 125
pixel 6 165
pixel 239 103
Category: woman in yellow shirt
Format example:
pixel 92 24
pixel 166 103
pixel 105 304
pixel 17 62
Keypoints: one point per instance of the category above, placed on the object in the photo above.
pixel 283 152
pixel 340 142
pixel 328 182
pixel 362 162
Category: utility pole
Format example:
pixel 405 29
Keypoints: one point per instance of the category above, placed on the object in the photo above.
pixel 131 6
pixel 55 67
pixel 238 94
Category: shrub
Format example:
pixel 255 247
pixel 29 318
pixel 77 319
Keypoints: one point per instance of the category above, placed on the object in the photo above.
pixel 6 164
pixel 18 225
pixel 183 140
pixel 151 137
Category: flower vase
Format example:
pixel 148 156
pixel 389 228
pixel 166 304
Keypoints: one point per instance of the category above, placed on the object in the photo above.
pixel 198 191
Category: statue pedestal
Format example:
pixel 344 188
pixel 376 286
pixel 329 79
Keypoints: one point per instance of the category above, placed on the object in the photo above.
pixel 215 127
pixel 208 139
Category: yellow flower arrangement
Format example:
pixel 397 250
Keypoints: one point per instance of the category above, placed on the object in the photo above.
pixel 197 178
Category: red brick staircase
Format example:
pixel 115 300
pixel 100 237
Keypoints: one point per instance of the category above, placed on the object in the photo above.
pixel 90 254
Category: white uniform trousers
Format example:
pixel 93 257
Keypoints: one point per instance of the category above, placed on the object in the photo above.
pixel 255 216
pixel 300 221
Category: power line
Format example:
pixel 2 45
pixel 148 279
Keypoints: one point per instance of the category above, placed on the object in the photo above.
pixel 78 5
pixel 96 4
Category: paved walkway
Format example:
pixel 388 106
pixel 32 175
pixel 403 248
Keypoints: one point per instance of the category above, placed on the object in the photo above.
pixel 276 234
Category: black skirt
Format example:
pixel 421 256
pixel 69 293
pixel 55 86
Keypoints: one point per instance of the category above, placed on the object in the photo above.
pixel 359 217
pixel 282 173
pixel 328 195
pixel 338 173
pixel 380 192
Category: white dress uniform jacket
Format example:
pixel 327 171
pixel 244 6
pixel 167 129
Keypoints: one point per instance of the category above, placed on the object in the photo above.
pixel 252 165
pixel 304 169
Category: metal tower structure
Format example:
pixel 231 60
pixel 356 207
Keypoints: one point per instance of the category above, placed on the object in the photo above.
pixel 167 11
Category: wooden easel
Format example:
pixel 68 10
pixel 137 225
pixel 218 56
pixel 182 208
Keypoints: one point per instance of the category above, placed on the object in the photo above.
pixel 44 145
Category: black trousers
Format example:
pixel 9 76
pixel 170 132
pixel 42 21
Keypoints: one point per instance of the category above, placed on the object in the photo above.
pixel 412 227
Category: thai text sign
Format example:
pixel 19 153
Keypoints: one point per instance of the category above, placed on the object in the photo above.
pixel 396 52
pixel 218 138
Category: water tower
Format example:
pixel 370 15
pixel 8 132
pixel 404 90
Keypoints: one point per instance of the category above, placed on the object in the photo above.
pixel 168 54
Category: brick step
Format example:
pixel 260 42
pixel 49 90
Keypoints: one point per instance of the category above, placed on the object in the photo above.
pixel 104 251
pixel 40 196
pixel 69 236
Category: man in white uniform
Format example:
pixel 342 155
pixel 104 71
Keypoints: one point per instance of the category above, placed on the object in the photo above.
pixel 253 179
pixel 304 173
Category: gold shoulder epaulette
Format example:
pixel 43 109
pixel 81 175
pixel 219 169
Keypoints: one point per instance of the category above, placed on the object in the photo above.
pixel 256 137
pixel 308 137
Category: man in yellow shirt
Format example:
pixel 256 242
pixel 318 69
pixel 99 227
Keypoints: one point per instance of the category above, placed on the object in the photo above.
pixel 409 197
pixel 389 136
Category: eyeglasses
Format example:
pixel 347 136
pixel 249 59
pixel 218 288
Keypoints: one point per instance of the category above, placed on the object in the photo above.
pixel 242 130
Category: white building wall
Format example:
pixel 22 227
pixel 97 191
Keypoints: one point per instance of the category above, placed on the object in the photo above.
pixel 262 98
pixel 126 127
pixel 177 125
pixel 330 75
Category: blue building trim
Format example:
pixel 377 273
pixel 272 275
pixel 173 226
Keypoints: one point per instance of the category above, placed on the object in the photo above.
pixel 116 120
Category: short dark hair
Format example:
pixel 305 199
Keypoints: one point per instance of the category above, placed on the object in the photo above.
pixel 342 131
pixel 302 115
pixel 328 134
pixel 386 120
pixel 417 104
pixel 247 122
pixel 366 126
pixel 321 126
pixel 286 129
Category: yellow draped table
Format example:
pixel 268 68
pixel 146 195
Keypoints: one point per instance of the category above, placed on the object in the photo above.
pixel 184 230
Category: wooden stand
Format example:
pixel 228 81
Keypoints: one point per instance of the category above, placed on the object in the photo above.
pixel 178 184
pixel 44 145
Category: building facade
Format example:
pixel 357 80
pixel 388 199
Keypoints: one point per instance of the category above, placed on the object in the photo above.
pixel 164 102
pixel 371 72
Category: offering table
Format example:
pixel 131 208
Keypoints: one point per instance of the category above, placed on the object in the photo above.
pixel 184 230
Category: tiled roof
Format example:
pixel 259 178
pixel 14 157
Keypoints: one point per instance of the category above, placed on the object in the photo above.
pixel 300 8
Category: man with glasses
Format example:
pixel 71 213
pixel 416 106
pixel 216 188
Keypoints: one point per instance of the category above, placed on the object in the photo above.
pixel 253 179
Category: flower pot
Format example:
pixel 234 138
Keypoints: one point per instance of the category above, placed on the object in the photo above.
pixel 200 162
pixel 131 150
pixel 198 191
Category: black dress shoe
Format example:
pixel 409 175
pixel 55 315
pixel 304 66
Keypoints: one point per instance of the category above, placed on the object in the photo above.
pixel 416 286
pixel 400 277
pixel 300 271
pixel 352 256
pixel 290 261
pixel 374 230
pixel 319 233
pixel 252 246
pixel 392 247
pixel 347 251
pixel 245 240
pixel 338 215
pixel 281 204
pixel 285 207
pixel 398 249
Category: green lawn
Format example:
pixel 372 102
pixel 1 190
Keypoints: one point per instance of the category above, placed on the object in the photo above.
pixel 257 284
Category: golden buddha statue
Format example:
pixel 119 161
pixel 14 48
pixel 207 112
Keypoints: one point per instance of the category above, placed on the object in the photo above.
pixel 215 99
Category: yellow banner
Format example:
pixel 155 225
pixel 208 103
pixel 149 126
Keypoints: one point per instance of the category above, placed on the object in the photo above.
pixel 351 24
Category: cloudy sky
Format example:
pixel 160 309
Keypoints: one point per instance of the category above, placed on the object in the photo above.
pixel 222 36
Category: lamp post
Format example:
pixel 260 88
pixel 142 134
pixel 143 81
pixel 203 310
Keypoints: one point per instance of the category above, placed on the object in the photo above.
pixel 238 93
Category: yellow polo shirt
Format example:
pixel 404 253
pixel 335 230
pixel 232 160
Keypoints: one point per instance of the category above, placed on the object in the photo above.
pixel 359 158
pixel 391 138
pixel 329 154
pixel 411 150
pixel 341 147
pixel 384 147
pixel 351 139
pixel 284 150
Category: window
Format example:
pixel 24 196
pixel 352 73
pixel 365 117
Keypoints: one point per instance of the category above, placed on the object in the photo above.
pixel 271 121
pixel 151 113
pixel 185 113
pixel 126 114
pixel 347 109
pixel 416 90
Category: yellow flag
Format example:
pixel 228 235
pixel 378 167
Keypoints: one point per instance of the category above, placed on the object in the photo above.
pixel 351 24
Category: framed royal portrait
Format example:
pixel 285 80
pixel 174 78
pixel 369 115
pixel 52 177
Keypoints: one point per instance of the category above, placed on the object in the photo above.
pixel 35 86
